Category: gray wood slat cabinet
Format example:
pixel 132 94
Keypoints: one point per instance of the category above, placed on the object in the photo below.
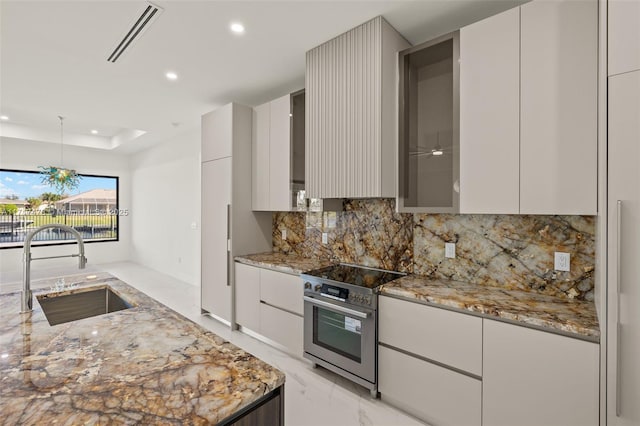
pixel 229 227
pixel 351 113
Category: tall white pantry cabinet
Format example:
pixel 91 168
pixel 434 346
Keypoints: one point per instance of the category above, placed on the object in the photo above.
pixel 623 188
pixel 229 226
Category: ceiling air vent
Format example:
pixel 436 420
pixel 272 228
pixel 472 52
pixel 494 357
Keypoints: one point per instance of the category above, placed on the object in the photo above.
pixel 142 22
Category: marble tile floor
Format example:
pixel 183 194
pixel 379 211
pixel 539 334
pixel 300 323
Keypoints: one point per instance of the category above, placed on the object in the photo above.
pixel 312 396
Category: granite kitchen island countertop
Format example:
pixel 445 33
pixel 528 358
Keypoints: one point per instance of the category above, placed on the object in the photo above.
pixel 550 313
pixel 143 365
pixel 283 262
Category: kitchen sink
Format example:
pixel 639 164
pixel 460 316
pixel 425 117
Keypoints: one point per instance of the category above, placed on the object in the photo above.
pixel 80 304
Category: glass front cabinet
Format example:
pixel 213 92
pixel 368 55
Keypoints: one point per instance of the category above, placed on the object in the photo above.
pixel 429 115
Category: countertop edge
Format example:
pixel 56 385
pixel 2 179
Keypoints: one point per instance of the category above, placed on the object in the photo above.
pixel 284 269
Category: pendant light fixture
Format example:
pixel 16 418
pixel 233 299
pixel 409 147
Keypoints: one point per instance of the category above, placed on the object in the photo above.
pixel 58 177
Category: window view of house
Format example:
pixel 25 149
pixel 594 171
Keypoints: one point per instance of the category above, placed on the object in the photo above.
pixel 27 203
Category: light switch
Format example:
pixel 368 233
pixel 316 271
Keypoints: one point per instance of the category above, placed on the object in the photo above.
pixel 284 235
pixel 562 261
pixel 325 238
pixel 194 225
pixel 450 250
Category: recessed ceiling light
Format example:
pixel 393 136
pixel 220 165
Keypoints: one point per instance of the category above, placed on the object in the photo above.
pixel 94 132
pixel 237 27
pixel 3 117
pixel 171 75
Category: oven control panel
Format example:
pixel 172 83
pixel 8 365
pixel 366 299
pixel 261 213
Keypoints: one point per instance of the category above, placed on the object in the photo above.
pixel 350 296
pixel 360 299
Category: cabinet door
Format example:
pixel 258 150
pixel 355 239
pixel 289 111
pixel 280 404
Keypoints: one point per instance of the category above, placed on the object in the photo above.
pixel 280 155
pixel 216 134
pixel 489 115
pixel 558 107
pixel 260 157
pixel 435 394
pixel 216 202
pixel 624 250
pixel 534 378
pixel 624 35
pixel 247 282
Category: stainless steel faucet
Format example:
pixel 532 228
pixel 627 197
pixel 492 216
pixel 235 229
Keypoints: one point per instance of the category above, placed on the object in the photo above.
pixel 27 297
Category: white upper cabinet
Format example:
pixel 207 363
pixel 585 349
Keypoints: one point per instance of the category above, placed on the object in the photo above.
pixel 489 115
pixel 278 153
pixel 528 110
pixel 351 113
pixel 428 139
pixel 217 134
pixel 623 35
pixel 260 157
pixel 558 107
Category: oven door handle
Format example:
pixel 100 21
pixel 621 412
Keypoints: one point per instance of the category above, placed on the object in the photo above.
pixel 337 308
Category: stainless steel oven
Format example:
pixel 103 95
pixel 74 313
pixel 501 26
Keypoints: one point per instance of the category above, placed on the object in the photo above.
pixel 341 321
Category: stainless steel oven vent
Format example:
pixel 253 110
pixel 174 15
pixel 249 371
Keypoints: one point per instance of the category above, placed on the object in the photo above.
pixel 141 23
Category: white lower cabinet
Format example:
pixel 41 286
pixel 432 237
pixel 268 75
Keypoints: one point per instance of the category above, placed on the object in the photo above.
pixel 270 303
pixel 418 329
pixel 430 362
pixel 282 327
pixel 428 391
pixel 536 378
pixel 452 368
pixel 248 296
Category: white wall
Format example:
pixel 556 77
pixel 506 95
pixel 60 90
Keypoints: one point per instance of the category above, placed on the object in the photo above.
pixel 166 202
pixel 28 155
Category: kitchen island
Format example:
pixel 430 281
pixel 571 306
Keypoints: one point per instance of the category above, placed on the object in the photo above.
pixel 142 365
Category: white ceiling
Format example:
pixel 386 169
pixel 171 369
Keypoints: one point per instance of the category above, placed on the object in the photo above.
pixel 53 59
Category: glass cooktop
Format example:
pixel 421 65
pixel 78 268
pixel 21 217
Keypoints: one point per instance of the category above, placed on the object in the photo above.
pixel 355 275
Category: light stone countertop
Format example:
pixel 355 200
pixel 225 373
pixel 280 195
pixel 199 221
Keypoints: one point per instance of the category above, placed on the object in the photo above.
pixel 143 365
pixel 550 313
pixel 282 262
pixel 546 312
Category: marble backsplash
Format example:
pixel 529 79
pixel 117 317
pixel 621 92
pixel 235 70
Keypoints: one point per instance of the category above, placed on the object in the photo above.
pixel 510 251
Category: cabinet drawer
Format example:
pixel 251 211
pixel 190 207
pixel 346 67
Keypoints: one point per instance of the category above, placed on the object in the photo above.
pixel 447 337
pixel 282 290
pixel 282 327
pixel 435 394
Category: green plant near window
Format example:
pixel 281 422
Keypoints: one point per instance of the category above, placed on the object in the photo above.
pixel 9 209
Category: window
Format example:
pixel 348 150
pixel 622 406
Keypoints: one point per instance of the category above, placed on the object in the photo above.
pixel 27 203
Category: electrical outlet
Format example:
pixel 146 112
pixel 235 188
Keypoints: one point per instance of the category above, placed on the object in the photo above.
pixel 325 238
pixel 562 261
pixel 450 250
pixel 284 235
